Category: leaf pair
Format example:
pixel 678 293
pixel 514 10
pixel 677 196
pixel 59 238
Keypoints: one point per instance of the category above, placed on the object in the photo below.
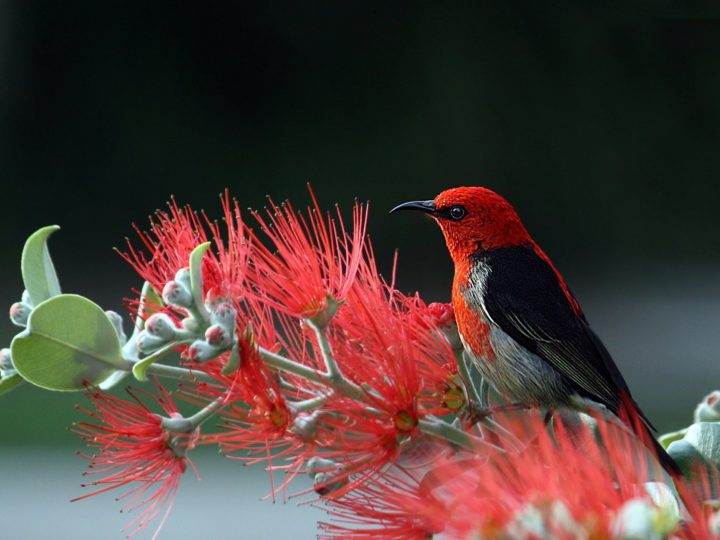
pixel 69 340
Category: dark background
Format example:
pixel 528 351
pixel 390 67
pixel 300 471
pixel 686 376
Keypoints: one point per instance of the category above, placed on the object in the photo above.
pixel 603 131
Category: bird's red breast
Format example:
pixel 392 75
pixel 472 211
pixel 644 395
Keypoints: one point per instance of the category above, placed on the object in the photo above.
pixel 471 322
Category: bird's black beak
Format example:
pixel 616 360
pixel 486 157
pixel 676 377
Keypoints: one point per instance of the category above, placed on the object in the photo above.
pixel 424 206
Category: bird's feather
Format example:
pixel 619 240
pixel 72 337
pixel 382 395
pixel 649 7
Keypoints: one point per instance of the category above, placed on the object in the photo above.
pixel 523 295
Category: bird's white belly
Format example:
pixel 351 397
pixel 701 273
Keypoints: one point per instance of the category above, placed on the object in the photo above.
pixel 518 374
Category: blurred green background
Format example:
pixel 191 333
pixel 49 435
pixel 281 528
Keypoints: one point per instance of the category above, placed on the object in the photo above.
pixel 604 132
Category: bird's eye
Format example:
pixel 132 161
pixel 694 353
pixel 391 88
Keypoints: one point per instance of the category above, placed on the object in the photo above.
pixel 457 212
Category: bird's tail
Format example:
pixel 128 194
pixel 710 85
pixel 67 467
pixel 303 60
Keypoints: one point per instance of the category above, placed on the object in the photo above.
pixel 666 461
pixel 631 414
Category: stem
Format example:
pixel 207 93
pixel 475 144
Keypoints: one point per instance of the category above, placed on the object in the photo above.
pixel 191 423
pixel 484 392
pixel 309 404
pixel 175 372
pixel 331 367
pixel 432 425
pixel 290 366
pixel 202 415
pixel 474 397
pixel 333 376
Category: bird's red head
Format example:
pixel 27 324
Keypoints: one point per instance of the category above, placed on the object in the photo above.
pixel 471 219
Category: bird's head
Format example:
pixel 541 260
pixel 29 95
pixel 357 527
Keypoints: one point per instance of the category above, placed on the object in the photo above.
pixel 472 219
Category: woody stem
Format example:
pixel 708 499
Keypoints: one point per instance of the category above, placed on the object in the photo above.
pixel 437 427
pixel 175 372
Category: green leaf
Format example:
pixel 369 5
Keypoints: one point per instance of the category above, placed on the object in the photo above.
pixel 139 368
pixel 8 383
pixel 37 269
pixel 667 438
pixel 196 281
pixel 69 341
pixel 233 362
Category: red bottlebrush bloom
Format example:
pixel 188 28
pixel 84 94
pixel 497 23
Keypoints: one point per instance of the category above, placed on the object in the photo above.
pixel 565 485
pixel 310 258
pixel 402 367
pixel 172 237
pixel 394 506
pixel 256 412
pixel 175 233
pixel 133 449
pixel 391 344
pixel 256 418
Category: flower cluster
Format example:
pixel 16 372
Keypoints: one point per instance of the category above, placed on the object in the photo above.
pixel 574 482
pixel 309 361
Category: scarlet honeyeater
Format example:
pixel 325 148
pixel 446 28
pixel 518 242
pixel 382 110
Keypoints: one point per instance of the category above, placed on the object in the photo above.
pixel 518 321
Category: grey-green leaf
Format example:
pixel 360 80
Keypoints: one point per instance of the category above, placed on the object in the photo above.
pixel 9 383
pixel 140 367
pixel 196 281
pixel 69 341
pixel 666 439
pixel 37 269
pixel 705 438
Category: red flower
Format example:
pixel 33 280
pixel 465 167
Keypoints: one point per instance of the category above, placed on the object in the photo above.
pixel 565 485
pixel 311 257
pixel 133 449
pixel 175 233
pixel 401 367
pixel 256 416
pixel 391 344
pixel 256 412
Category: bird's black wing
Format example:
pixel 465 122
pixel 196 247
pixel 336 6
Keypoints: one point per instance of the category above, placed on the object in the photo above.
pixel 524 297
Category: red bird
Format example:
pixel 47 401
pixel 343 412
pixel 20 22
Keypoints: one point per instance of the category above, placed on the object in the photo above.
pixel 519 322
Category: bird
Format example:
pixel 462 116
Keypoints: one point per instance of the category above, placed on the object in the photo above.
pixel 518 321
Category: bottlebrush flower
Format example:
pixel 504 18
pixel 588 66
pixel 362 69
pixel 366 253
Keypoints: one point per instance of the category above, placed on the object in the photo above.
pixel 175 233
pixel 258 421
pixel 134 450
pixel 401 367
pixel 256 413
pixel 564 485
pixel 390 343
pixel 310 258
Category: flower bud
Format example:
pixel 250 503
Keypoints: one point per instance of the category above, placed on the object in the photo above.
pixel 189 324
pixel 218 337
pixel 714 523
pixel 708 410
pixel 201 351
pixel 25 298
pixel 176 294
pixel 19 313
pixel 324 483
pixel 305 425
pixel 147 343
pixel 117 322
pixel 6 360
pixel 441 314
pixel 324 473
pixel 224 314
pixel 161 326
pixel 636 521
